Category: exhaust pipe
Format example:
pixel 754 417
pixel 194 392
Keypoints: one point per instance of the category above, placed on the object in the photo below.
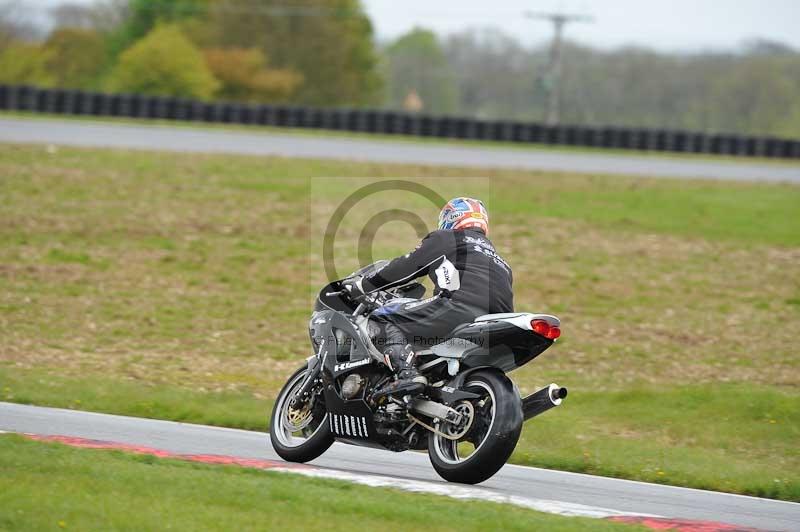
pixel 542 401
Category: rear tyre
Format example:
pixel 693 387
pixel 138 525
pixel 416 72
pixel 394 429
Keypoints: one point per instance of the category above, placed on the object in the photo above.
pixel 299 435
pixel 492 437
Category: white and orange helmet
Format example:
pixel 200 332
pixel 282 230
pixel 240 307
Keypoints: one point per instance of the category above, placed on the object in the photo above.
pixel 464 213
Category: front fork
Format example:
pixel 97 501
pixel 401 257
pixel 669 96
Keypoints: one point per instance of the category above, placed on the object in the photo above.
pixel 312 377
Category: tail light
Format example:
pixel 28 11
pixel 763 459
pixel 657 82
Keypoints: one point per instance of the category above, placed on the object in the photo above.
pixel 540 327
pixel 545 329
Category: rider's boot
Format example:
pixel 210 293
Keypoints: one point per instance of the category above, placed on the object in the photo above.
pixel 408 381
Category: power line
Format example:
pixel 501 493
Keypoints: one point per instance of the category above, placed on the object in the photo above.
pixel 559 20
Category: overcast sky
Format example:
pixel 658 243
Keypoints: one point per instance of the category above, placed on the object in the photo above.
pixel 665 25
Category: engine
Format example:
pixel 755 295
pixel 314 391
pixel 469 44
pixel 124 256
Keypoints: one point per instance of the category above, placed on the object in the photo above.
pixel 352 385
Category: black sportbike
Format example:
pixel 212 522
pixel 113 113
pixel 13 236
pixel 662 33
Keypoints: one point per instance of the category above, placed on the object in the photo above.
pixel 470 416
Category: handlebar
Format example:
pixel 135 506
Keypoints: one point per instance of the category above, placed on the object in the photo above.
pixel 368 300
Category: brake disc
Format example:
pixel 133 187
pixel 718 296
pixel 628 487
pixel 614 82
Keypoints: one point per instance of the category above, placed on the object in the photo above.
pixel 297 419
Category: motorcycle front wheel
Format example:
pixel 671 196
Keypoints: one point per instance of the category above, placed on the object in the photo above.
pixel 299 435
pixel 495 427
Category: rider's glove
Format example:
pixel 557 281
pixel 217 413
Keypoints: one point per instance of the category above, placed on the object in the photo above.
pixel 353 286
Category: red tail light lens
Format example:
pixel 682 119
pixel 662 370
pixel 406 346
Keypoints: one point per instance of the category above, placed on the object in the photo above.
pixel 540 327
pixel 544 328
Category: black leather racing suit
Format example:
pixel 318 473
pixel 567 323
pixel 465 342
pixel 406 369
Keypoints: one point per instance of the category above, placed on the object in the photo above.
pixel 470 279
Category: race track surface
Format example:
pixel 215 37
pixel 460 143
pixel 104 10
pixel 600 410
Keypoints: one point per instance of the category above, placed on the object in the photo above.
pixel 568 493
pixel 186 139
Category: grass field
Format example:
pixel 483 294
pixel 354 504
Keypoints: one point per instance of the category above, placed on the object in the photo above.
pixel 109 490
pixel 179 287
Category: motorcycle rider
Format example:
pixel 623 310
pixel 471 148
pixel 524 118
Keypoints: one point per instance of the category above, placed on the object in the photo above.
pixel 470 279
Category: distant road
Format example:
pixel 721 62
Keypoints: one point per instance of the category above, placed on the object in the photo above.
pixel 541 489
pixel 189 139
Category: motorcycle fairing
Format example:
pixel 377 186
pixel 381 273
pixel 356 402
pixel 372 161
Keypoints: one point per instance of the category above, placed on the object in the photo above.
pixel 339 341
pixel 344 351
pixel 503 341
pixel 520 319
pixel 349 420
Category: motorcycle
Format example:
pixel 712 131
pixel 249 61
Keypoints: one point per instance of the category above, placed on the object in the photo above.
pixel 470 416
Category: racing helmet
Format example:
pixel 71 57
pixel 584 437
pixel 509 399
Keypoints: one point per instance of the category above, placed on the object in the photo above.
pixel 464 213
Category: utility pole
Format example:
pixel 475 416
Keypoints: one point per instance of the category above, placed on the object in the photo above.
pixel 559 20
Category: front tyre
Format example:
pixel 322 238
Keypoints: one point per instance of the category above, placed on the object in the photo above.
pixel 492 437
pixel 299 435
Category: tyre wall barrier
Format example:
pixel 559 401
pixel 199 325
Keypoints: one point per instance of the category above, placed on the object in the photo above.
pixel 87 103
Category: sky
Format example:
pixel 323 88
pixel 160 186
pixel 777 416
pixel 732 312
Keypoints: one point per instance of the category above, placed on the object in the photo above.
pixel 669 25
pixel 666 25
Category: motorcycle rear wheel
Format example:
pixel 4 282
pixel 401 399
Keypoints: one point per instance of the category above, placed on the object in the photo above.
pixel 300 441
pixel 495 430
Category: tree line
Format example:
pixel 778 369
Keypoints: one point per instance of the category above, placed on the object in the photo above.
pixel 317 52
pixel 755 90
pixel 324 53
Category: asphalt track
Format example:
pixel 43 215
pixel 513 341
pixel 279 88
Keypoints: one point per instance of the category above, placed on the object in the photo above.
pixel 560 492
pixel 197 140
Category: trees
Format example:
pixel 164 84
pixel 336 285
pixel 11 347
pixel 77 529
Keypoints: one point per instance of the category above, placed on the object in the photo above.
pixel 416 62
pixel 755 90
pixel 102 16
pixel 244 75
pixel 24 63
pixel 76 57
pixel 495 75
pixel 761 94
pixel 142 16
pixel 164 62
pixel 321 53
pixel 328 42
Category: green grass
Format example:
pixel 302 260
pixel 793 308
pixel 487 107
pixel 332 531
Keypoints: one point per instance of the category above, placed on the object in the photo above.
pixel 406 138
pixel 109 490
pixel 735 438
pixel 175 286
pixel 134 398
pixel 744 213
